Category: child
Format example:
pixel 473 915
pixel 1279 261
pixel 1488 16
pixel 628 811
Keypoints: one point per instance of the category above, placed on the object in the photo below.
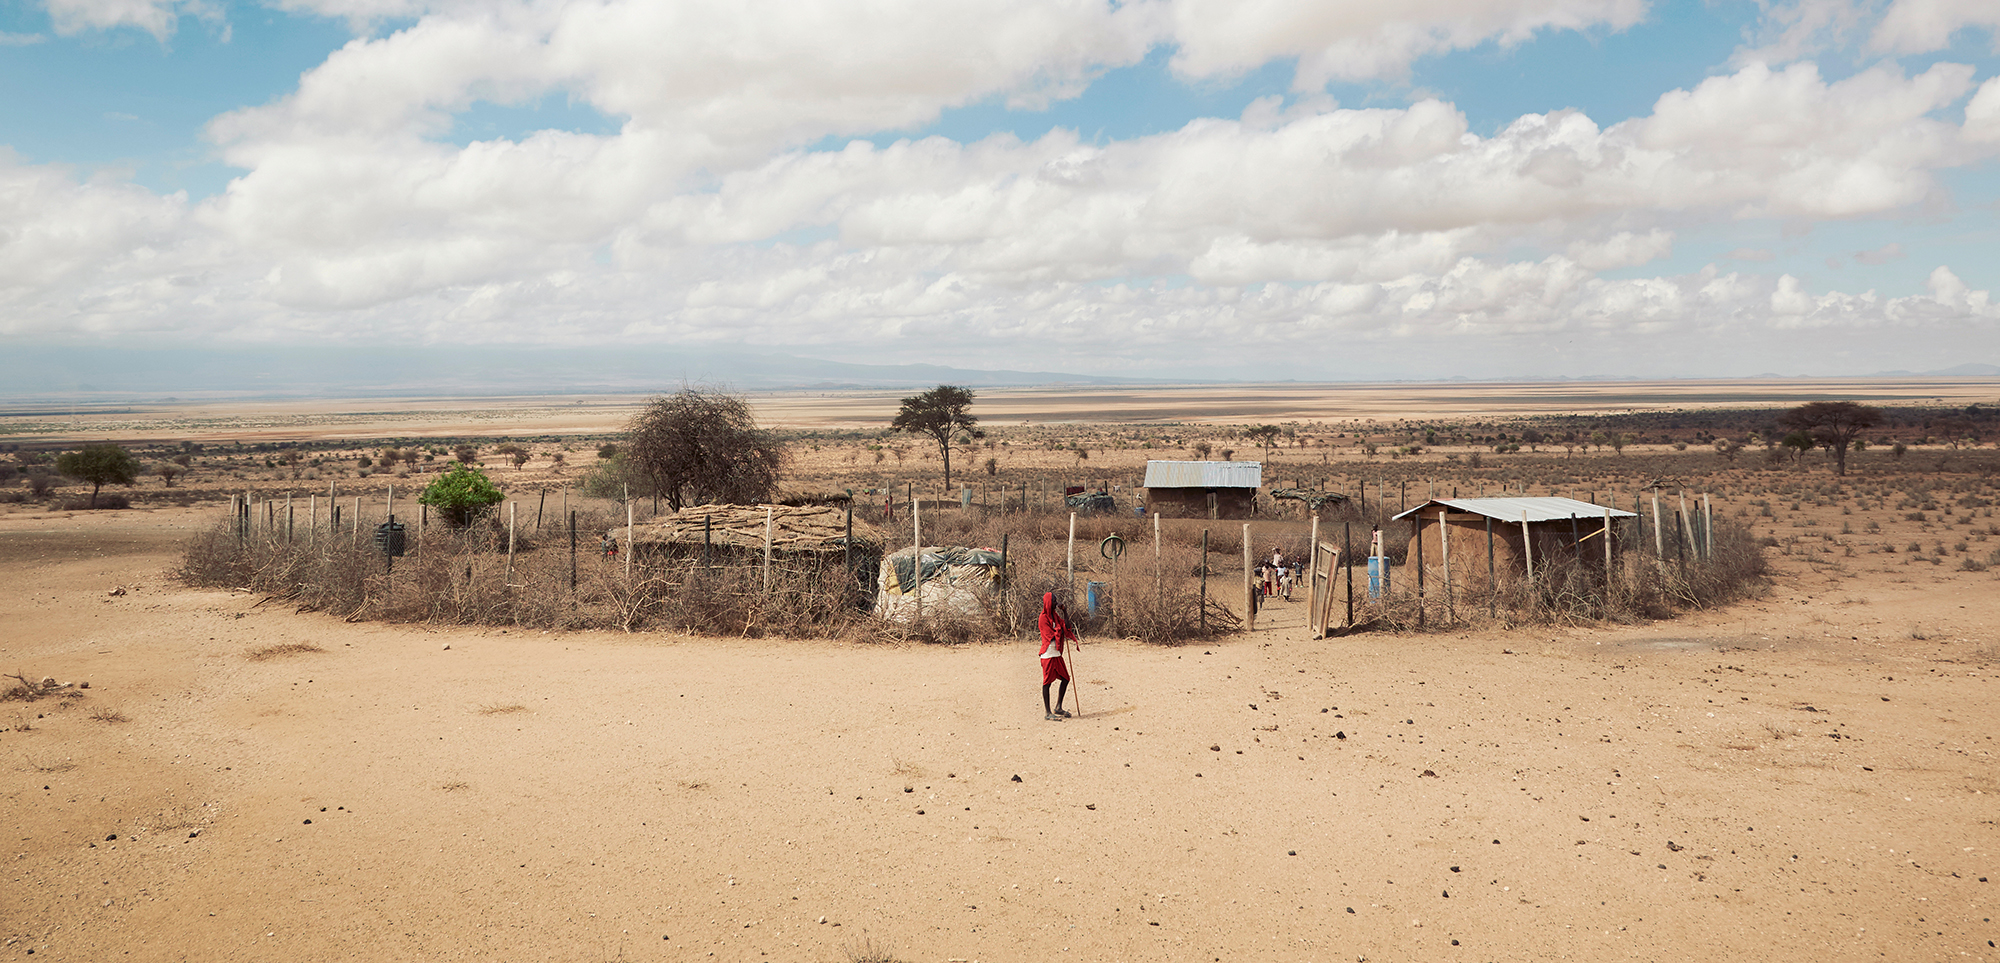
pixel 1055 630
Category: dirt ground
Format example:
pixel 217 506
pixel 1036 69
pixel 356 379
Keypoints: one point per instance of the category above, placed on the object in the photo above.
pixel 1809 776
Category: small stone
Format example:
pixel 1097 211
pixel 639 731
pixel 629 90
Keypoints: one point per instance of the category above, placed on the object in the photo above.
pixel 309 822
pixel 1429 773
pixel 909 789
pixel 1454 869
pixel 920 812
pixel 1350 909
pixel 111 837
pixel 1216 748
pixel 1090 806
pixel 1016 779
pixel 447 646
pixel 1291 852
pixel 1340 735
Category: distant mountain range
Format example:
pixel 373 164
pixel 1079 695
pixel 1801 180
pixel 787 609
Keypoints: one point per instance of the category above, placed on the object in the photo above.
pixel 1973 370
pixel 119 374
pixel 124 375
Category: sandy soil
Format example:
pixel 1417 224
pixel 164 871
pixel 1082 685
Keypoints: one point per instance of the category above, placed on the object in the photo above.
pixel 1807 777
pixel 372 418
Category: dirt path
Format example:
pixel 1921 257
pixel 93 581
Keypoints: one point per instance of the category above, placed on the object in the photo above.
pixel 1797 779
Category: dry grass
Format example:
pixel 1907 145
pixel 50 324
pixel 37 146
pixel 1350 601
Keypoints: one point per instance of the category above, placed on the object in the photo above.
pixel 868 951
pixel 25 688
pixel 499 710
pixel 49 765
pixel 108 714
pixel 280 651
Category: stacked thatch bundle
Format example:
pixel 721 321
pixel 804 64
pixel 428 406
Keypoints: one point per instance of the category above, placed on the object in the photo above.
pixel 807 528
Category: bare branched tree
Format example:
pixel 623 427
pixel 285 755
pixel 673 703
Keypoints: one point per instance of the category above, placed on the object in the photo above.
pixel 698 446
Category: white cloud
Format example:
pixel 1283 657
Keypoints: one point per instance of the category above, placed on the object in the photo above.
pixel 1891 251
pixel 1361 39
pixel 1621 250
pixel 1797 29
pixel 1916 26
pixel 1982 114
pixel 708 216
pixel 20 39
pixel 157 17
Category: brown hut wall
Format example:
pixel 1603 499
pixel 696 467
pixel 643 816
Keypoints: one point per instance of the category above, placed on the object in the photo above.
pixel 1193 502
pixel 1553 539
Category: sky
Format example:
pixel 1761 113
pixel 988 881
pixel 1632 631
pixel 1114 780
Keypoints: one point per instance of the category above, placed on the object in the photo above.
pixel 1172 189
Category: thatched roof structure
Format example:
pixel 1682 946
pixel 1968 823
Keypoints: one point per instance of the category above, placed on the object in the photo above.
pixel 807 528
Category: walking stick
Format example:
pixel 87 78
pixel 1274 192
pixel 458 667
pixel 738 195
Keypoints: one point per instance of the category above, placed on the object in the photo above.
pixel 1075 681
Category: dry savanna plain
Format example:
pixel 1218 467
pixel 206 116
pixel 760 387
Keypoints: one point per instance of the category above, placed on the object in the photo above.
pixel 1806 773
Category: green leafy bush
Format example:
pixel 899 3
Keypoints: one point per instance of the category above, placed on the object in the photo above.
pixel 461 494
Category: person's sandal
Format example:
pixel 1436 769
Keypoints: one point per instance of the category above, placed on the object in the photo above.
pixel 1063 712
pixel 1051 717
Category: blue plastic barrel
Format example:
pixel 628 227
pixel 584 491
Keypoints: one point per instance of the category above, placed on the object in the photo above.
pixel 1094 595
pixel 1378 576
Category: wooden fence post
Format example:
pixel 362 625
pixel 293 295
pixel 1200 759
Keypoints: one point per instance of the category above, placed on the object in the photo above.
pixel 1204 581
pixel 1249 588
pixel 1527 545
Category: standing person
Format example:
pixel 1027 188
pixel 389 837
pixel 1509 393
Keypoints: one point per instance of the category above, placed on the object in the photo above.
pixel 1055 631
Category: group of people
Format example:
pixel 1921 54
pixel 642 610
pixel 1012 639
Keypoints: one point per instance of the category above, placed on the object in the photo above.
pixel 1277 576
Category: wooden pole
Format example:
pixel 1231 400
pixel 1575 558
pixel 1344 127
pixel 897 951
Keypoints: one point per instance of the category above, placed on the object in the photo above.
pixel 1006 578
pixel 1347 558
pixel 1204 581
pixel 539 505
pixel 357 519
pixel 768 521
pixel 1444 549
pixel 1159 577
pixel 1527 545
pixel 917 540
pixel 1249 588
pixel 1418 522
pixel 1707 529
pixel 628 536
pixel 1659 533
pixel 1312 571
pixel 510 543
pixel 312 518
pixel 290 519
pixel 572 553
pixel 1607 549
pixel 1492 590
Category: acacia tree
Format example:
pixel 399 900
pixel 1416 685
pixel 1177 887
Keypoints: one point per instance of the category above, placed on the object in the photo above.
pixel 1266 435
pixel 696 446
pixel 99 465
pixel 940 413
pixel 1833 425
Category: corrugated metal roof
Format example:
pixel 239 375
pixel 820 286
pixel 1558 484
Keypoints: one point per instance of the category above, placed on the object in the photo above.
pixel 1509 509
pixel 1204 474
